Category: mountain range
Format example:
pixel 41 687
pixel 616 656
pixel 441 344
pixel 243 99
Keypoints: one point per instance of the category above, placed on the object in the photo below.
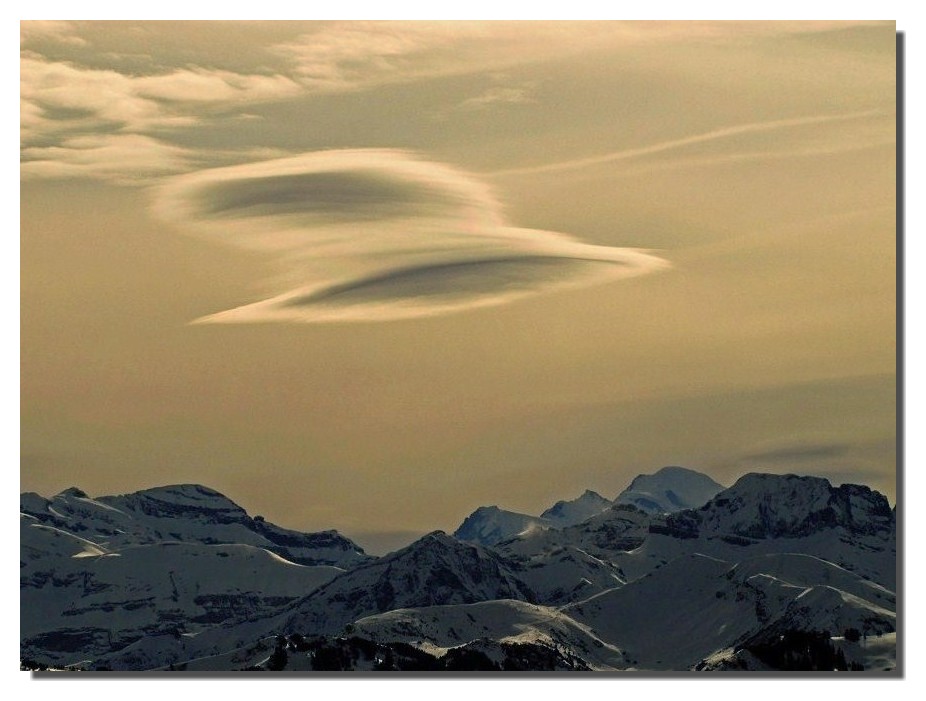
pixel 667 490
pixel 775 572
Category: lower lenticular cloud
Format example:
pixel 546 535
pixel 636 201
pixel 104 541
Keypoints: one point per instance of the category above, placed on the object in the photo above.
pixel 376 234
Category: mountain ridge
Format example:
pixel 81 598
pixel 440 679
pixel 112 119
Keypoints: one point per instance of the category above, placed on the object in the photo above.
pixel 669 489
pixel 152 580
pixel 185 513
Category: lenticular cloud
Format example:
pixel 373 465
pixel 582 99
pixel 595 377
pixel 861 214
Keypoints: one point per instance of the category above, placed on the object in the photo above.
pixel 375 234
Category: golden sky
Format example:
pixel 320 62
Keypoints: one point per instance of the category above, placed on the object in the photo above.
pixel 370 276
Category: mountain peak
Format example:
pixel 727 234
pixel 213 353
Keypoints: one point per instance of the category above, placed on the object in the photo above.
pixel 436 569
pixel 674 468
pixel 669 489
pixel 568 513
pixel 438 536
pixel 72 492
pixel 489 525
pixel 180 500
pixel 434 542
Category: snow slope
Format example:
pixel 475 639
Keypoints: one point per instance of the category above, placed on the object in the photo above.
pixel 439 628
pixel 563 574
pixel 696 606
pixel 77 606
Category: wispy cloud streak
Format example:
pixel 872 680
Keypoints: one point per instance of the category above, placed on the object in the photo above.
pixel 376 234
pixel 713 135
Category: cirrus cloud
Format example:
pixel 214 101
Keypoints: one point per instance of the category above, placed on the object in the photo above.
pixel 379 234
pixel 89 79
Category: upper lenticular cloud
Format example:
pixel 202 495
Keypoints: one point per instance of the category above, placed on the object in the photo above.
pixel 376 234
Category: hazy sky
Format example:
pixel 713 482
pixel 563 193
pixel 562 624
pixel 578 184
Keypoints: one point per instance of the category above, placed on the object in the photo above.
pixel 370 276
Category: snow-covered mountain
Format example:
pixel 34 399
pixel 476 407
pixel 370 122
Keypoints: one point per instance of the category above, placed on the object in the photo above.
pixel 569 564
pixel 775 572
pixel 189 513
pixel 618 529
pixel 679 616
pixel 442 628
pixel 668 490
pixel 92 604
pixel 789 506
pixel 851 526
pixel 563 574
pixel 569 513
pixel 434 570
pixel 685 611
pixel 489 525
pixel 97 575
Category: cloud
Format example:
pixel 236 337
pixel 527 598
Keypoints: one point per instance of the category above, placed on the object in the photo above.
pixel 68 113
pixel 377 234
pixel 83 96
pixel 343 56
pixel 359 55
pixel 799 452
pixel 122 158
pixel 58 31
pixel 58 97
pixel 83 122
pixel 63 96
pixel 673 144
pixel 203 86
pixel 859 459
pixel 499 95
